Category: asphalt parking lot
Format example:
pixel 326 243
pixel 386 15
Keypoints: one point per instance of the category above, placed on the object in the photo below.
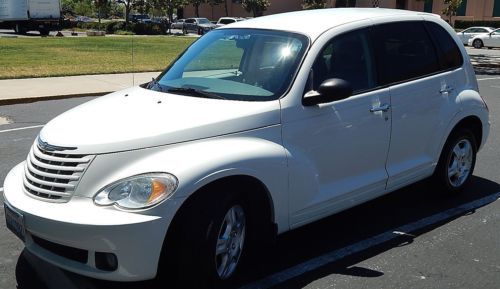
pixel 412 238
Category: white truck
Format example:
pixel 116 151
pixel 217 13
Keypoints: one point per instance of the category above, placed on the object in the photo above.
pixel 26 15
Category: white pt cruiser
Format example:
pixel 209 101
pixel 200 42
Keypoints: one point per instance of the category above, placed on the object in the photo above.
pixel 258 128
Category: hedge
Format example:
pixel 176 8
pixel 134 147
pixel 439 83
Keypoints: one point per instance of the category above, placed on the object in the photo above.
pixel 113 26
pixel 463 24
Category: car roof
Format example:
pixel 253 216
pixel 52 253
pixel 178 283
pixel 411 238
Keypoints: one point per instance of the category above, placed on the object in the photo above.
pixel 485 27
pixel 314 22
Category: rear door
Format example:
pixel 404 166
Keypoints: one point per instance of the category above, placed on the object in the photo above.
pixel 422 96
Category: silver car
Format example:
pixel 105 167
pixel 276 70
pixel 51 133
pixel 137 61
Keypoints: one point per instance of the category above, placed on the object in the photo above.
pixel 472 32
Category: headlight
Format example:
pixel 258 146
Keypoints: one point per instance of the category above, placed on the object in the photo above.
pixel 137 192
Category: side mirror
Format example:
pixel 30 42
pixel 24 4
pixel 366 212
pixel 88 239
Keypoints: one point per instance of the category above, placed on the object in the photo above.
pixel 330 90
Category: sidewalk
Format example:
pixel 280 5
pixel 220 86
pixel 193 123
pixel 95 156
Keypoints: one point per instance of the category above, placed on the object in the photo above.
pixel 29 89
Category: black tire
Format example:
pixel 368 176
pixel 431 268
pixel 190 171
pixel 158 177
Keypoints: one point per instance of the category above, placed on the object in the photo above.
pixel 455 183
pixel 195 242
pixel 478 44
pixel 44 32
pixel 20 29
pixel 200 31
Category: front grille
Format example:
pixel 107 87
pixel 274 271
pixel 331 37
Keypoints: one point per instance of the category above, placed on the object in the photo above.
pixel 53 176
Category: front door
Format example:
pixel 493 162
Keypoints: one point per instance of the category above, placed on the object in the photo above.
pixel 337 151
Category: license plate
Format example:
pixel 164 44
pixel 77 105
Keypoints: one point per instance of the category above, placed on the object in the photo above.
pixel 15 222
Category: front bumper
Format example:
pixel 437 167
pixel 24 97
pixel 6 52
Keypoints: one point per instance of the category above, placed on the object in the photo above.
pixel 136 239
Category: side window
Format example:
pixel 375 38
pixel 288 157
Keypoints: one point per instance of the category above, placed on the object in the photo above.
pixel 347 57
pixel 449 54
pixel 404 51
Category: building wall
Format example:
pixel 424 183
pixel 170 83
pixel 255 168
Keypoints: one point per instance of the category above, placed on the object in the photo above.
pixel 476 9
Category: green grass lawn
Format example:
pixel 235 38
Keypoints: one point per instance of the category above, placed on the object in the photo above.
pixel 42 57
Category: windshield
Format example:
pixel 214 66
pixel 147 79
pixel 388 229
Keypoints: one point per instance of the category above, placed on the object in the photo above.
pixel 203 21
pixel 237 64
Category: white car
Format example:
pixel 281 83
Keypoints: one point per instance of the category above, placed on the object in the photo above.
pixel 178 24
pixel 228 20
pixel 489 40
pixel 255 130
pixel 471 32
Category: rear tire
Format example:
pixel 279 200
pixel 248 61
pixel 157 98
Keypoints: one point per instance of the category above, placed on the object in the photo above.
pixel 457 161
pixel 478 44
pixel 20 29
pixel 44 32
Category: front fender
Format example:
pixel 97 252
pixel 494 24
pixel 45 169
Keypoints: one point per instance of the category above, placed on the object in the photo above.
pixel 257 153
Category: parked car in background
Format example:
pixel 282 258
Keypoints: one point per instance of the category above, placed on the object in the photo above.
pixel 198 25
pixel 85 19
pixel 178 24
pixel 489 40
pixel 471 32
pixel 140 18
pixel 228 20
pixel 256 129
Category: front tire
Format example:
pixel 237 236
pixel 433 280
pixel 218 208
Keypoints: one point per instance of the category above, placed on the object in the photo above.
pixel 212 242
pixel 457 161
pixel 478 44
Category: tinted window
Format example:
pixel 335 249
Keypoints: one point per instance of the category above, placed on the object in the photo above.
pixel 449 53
pixel 404 51
pixel 347 57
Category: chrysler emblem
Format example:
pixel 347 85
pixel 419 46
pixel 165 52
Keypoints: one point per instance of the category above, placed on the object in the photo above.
pixel 48 147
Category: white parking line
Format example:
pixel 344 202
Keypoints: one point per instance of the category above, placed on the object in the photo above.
pixel 1 190
pixel 21 128
pixel 336 255
pixel 491 78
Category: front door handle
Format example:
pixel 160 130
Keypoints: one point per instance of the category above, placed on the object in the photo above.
pixel 383 107
pixel 447 89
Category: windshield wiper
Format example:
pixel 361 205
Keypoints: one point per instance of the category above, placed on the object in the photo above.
pixel 194 92
pixel 155 85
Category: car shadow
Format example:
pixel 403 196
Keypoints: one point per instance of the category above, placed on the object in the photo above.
pixel 402 207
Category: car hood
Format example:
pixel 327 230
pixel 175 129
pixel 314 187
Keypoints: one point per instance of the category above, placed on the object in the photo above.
pixel 139 118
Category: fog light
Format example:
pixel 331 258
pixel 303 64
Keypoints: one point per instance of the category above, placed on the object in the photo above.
pixel 106 261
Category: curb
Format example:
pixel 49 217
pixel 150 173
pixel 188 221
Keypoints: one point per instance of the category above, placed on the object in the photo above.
pixel 53 97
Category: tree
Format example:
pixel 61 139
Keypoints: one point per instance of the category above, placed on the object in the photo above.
pixel 451 9
pixel 212 4
pixel 225 8
pixel 128 7
pixel 196 5
pixel 257 7
pixel 313 4
pixel 171 5
pixel 99 5
pixel 83 7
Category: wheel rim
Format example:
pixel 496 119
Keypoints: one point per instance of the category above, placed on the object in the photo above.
pixel 460 163
pixel 230 242
pixel 477 44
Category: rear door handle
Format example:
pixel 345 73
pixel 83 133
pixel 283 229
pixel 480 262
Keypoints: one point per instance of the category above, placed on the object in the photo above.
pixel 383 107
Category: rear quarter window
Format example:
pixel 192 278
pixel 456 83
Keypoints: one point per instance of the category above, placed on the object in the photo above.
pixel 450 56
